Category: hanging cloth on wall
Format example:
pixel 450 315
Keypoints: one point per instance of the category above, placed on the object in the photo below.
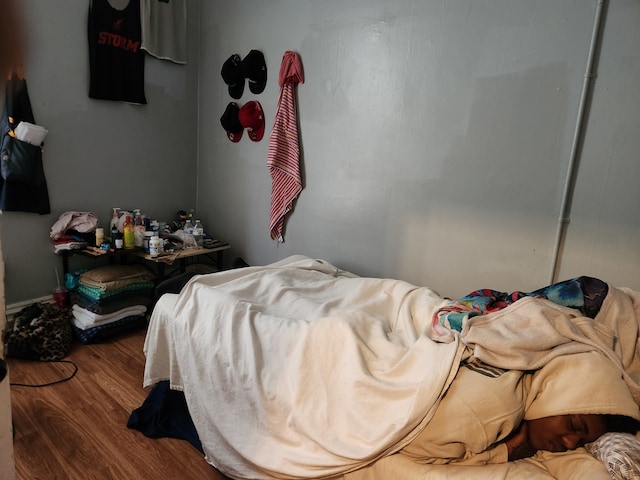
pixel 284 147
pixel 164 29
pixel 23 187
pixel 116 59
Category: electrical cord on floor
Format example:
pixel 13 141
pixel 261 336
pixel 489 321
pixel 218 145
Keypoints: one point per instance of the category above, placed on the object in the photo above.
pixel 62 380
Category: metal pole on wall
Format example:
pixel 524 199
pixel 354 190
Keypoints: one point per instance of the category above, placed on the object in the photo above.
pixel 589 76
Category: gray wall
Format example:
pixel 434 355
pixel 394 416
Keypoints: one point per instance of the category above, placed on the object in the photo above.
pixel 436 138
pixel 98 154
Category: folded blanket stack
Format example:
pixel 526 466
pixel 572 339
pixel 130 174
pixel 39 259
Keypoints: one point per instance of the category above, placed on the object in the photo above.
pixel 110 300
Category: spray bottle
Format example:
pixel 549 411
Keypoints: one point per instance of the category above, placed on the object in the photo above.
pixel 138 229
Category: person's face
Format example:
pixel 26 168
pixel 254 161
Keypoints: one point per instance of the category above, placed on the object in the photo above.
pixel 565 432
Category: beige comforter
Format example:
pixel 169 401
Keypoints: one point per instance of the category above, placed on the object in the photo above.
pixel 301 370
pixel 574 465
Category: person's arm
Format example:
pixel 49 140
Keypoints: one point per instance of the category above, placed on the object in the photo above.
pixel 457 454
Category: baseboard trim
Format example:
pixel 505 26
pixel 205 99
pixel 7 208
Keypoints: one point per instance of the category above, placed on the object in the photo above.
pixel 14 308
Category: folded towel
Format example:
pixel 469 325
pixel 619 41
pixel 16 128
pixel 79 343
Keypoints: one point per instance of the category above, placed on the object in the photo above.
pixel 83 318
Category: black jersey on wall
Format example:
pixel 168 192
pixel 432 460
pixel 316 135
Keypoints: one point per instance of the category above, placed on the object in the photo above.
pixel 116 59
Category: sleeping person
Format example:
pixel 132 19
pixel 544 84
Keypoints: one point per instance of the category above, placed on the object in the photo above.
pixel 489 415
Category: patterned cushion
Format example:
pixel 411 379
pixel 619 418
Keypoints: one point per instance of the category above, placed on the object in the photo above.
pixel 620 453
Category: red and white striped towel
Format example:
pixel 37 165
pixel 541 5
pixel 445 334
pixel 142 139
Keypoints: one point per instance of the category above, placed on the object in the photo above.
pixel 284 149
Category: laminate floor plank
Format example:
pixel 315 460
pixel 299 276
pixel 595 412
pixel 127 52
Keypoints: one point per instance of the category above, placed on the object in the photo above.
pixel 77 430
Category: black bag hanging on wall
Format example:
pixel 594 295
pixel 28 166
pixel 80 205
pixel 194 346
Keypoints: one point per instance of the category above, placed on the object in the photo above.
pixel 23 187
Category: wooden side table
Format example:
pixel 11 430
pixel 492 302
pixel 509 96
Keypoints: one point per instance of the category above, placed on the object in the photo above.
pixel 160 262
pixel 181 257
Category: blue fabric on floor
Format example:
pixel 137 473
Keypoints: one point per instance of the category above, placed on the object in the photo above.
pixel 164 413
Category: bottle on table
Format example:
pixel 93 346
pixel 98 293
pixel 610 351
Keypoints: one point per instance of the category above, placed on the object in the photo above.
pixel 147 238
pixel 189 240
pixel 138 229
pixel 198 233
pixel 99 236
pixel 114 223
pixel 155 246
pixel 128 233
pixel 116 237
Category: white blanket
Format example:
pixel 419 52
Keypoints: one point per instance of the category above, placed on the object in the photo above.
pixel 531 331
pixel 302 360
pixel 300 370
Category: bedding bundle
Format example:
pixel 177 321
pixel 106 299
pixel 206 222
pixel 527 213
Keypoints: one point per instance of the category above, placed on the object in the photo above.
pixel 109 300
pixel 315 372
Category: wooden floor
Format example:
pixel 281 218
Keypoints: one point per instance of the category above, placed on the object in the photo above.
pixel 77 429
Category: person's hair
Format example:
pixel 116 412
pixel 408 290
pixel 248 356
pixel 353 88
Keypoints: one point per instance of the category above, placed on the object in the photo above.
pixel 621 424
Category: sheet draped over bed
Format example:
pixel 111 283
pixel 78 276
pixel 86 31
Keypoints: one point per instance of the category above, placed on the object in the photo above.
pixel 301 370
pixel 300 364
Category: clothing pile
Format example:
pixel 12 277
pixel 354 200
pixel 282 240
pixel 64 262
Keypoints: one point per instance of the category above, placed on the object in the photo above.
pixel 73 231
pixel 69 242
pixel 73 222
pixel 109 300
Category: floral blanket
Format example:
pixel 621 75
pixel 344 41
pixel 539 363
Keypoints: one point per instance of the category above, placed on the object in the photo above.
pixel 582 293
